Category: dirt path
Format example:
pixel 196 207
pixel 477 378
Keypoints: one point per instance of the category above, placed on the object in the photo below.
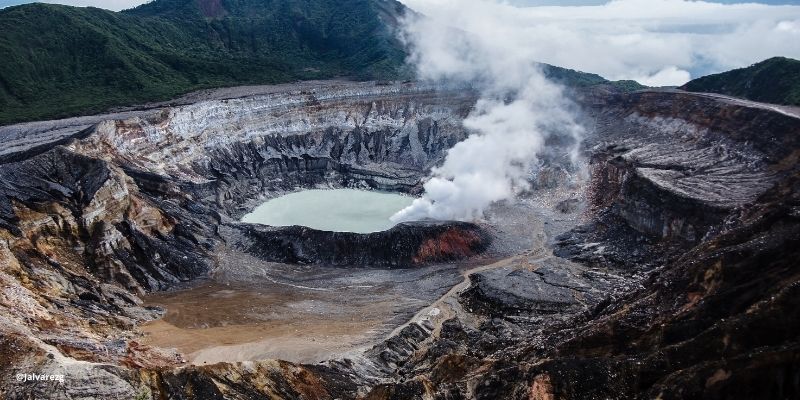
pixel 447 306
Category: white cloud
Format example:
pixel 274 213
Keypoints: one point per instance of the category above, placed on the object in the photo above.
pixel 494 46
pixel 666 77
pixel 114 5
pixel 659 42
pixel 519 110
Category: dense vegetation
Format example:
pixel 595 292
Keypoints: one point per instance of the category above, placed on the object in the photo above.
pixel 572 78
pixel 58 60
pixel 776 80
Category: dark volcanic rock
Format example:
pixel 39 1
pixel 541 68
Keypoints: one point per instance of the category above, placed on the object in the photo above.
pixel 648 206
pixel 513 290
pixel 669 167
pixel 720 322
pixel 541 287
pixel 608 242
pixel 111 228
pixel 405 245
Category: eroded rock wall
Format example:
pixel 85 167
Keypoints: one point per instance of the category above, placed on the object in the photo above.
pixel 670 166
pixel 405 245
pixel 233 151
pixel 719 322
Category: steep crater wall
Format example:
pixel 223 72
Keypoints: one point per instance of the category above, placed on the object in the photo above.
pixel 141 203
pixel 232 153
pixel 405 245
pixel 667 167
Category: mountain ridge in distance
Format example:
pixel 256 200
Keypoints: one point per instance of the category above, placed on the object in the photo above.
pixel 775 80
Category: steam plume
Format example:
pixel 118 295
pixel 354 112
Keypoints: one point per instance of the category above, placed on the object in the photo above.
pixel 518 110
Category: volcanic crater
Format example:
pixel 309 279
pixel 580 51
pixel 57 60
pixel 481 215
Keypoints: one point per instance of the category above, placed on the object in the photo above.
pixel 126 266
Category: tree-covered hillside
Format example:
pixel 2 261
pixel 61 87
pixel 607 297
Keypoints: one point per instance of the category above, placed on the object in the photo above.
pixel 776 80
pixel 57 60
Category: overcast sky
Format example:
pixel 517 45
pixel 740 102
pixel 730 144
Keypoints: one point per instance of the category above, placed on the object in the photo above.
pixel 657 42
pixel 599 2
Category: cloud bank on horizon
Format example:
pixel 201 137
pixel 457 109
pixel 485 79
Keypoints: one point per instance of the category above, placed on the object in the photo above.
pixel 656 42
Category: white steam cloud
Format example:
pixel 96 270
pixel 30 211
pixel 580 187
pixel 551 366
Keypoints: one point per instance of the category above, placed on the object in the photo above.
pixel 656 42
pixel 518 111
pixel 494 45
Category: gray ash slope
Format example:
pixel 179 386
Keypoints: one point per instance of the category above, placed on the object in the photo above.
pixel 691 197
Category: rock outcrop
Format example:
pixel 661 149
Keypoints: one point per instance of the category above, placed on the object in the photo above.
pixel 405 245
pixel 668 167
pixel 719 322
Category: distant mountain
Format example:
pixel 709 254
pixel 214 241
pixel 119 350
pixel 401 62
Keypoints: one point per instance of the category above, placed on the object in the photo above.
pixel 573 78
pixel 776 80
pixel 57 60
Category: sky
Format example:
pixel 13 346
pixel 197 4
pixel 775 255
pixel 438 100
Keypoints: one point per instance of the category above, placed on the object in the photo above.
pixel 600 2
pixel 656 42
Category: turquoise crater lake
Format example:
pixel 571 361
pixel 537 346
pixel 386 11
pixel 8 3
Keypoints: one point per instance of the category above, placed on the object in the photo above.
pixel 338 210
